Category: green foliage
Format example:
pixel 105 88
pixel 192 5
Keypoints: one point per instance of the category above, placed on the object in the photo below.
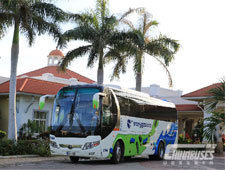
pixel 210 126
pixel 218 94
pixel 7 147
pixel 159 47
pixel 218 117
pixel 28 129
pixel 198 132
pixel 2 134
pixel 184 139
pixel 24 147
pixel 100 30
pixel 43 148
pixel 45 135
pixel 32 18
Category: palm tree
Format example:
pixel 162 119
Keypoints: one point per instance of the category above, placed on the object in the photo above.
pixel 31 18
pixel 161 48
pixel 99 29
pixel 215 124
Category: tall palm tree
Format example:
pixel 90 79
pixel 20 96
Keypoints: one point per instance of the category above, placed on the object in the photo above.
pixel 30 18
pixel 161 48
pixel 99 29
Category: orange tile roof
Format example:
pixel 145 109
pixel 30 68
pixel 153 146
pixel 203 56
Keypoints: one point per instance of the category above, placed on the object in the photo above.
pixel 187 107
pixel 55 71
pixel 33 86
pixel 56 52
pixel 203 92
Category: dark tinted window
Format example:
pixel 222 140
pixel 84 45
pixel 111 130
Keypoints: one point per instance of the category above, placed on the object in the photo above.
pixel 138 108
pixel 109 114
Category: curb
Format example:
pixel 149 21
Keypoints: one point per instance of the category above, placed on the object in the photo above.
pixel 18 156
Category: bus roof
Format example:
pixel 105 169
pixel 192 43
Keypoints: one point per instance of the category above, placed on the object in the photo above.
pixel 142 98
pixel 139 97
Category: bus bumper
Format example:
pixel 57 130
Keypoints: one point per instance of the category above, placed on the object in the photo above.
pixel 77 147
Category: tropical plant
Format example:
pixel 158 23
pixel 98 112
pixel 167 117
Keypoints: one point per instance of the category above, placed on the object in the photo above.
pixel 215 124
pixel 184 139
pixel 198 132
pixel 28 129
pixel 2 134
pixel 31 18
pixel 99 29
pixel 216 95
pixel 217 118
pixel 161 48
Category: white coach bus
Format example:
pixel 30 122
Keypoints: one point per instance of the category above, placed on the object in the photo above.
pixel 95 121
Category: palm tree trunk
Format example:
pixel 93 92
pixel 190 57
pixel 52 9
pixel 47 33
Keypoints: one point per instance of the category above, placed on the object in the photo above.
pixel 138 81
pixel 100 75
pixel 139 72
pixel 12 127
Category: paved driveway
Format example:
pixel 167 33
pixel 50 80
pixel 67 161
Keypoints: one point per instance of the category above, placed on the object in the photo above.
pixel 135 163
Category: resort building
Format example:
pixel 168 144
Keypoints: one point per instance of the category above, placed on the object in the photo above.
pixel 31 86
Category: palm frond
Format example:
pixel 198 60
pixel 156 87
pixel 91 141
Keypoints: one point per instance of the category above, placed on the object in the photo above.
pixel 162 47
pixel 167 42
pixel 110 23
pixel 170 80
pixel 217 118
pixel 150 24
pixel 50 11
pixel 139 11
pixel 41 26
pixel 120 67
pixel 6 21
pixel 84 33
pixel 102 10
pixel 92 58
pixel 28 32
pixel 26 22
pixel 129 23
pixel 218 94
pixel 78 52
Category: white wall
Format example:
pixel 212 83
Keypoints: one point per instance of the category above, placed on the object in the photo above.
pixel 26 113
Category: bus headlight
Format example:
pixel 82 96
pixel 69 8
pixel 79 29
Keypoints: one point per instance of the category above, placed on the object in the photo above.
pixel 90 145
pixel 53 144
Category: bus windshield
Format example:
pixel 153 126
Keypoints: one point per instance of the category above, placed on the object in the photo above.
pixel 75 119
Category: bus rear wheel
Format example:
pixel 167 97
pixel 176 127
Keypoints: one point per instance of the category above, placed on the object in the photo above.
pixel 117 155
pixel 161 151
pixel 74 159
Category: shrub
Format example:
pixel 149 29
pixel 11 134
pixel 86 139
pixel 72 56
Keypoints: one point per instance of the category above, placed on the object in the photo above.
pixel 184 139
pixel 7 147
pixel 2 134
pixel 27 130
pixel 24 147
pixel 43 148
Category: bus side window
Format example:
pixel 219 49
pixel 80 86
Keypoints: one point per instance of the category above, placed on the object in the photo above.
pixel 124 105
pixel 106 110
pixel 113 111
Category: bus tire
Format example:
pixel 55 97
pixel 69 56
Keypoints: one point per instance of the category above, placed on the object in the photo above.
pixel 161 151
pixel 117 155
pixel 74 159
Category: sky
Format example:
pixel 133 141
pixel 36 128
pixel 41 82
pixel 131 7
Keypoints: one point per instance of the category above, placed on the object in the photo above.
pixel 198 25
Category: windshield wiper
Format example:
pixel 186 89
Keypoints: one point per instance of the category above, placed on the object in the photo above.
pixel 72 112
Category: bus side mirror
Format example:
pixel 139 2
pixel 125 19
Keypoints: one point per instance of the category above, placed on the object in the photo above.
pixel 95 99
pixel 42 101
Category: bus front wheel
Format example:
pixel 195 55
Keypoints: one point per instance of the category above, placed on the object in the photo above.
pixel 74 159
pixel 117 155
